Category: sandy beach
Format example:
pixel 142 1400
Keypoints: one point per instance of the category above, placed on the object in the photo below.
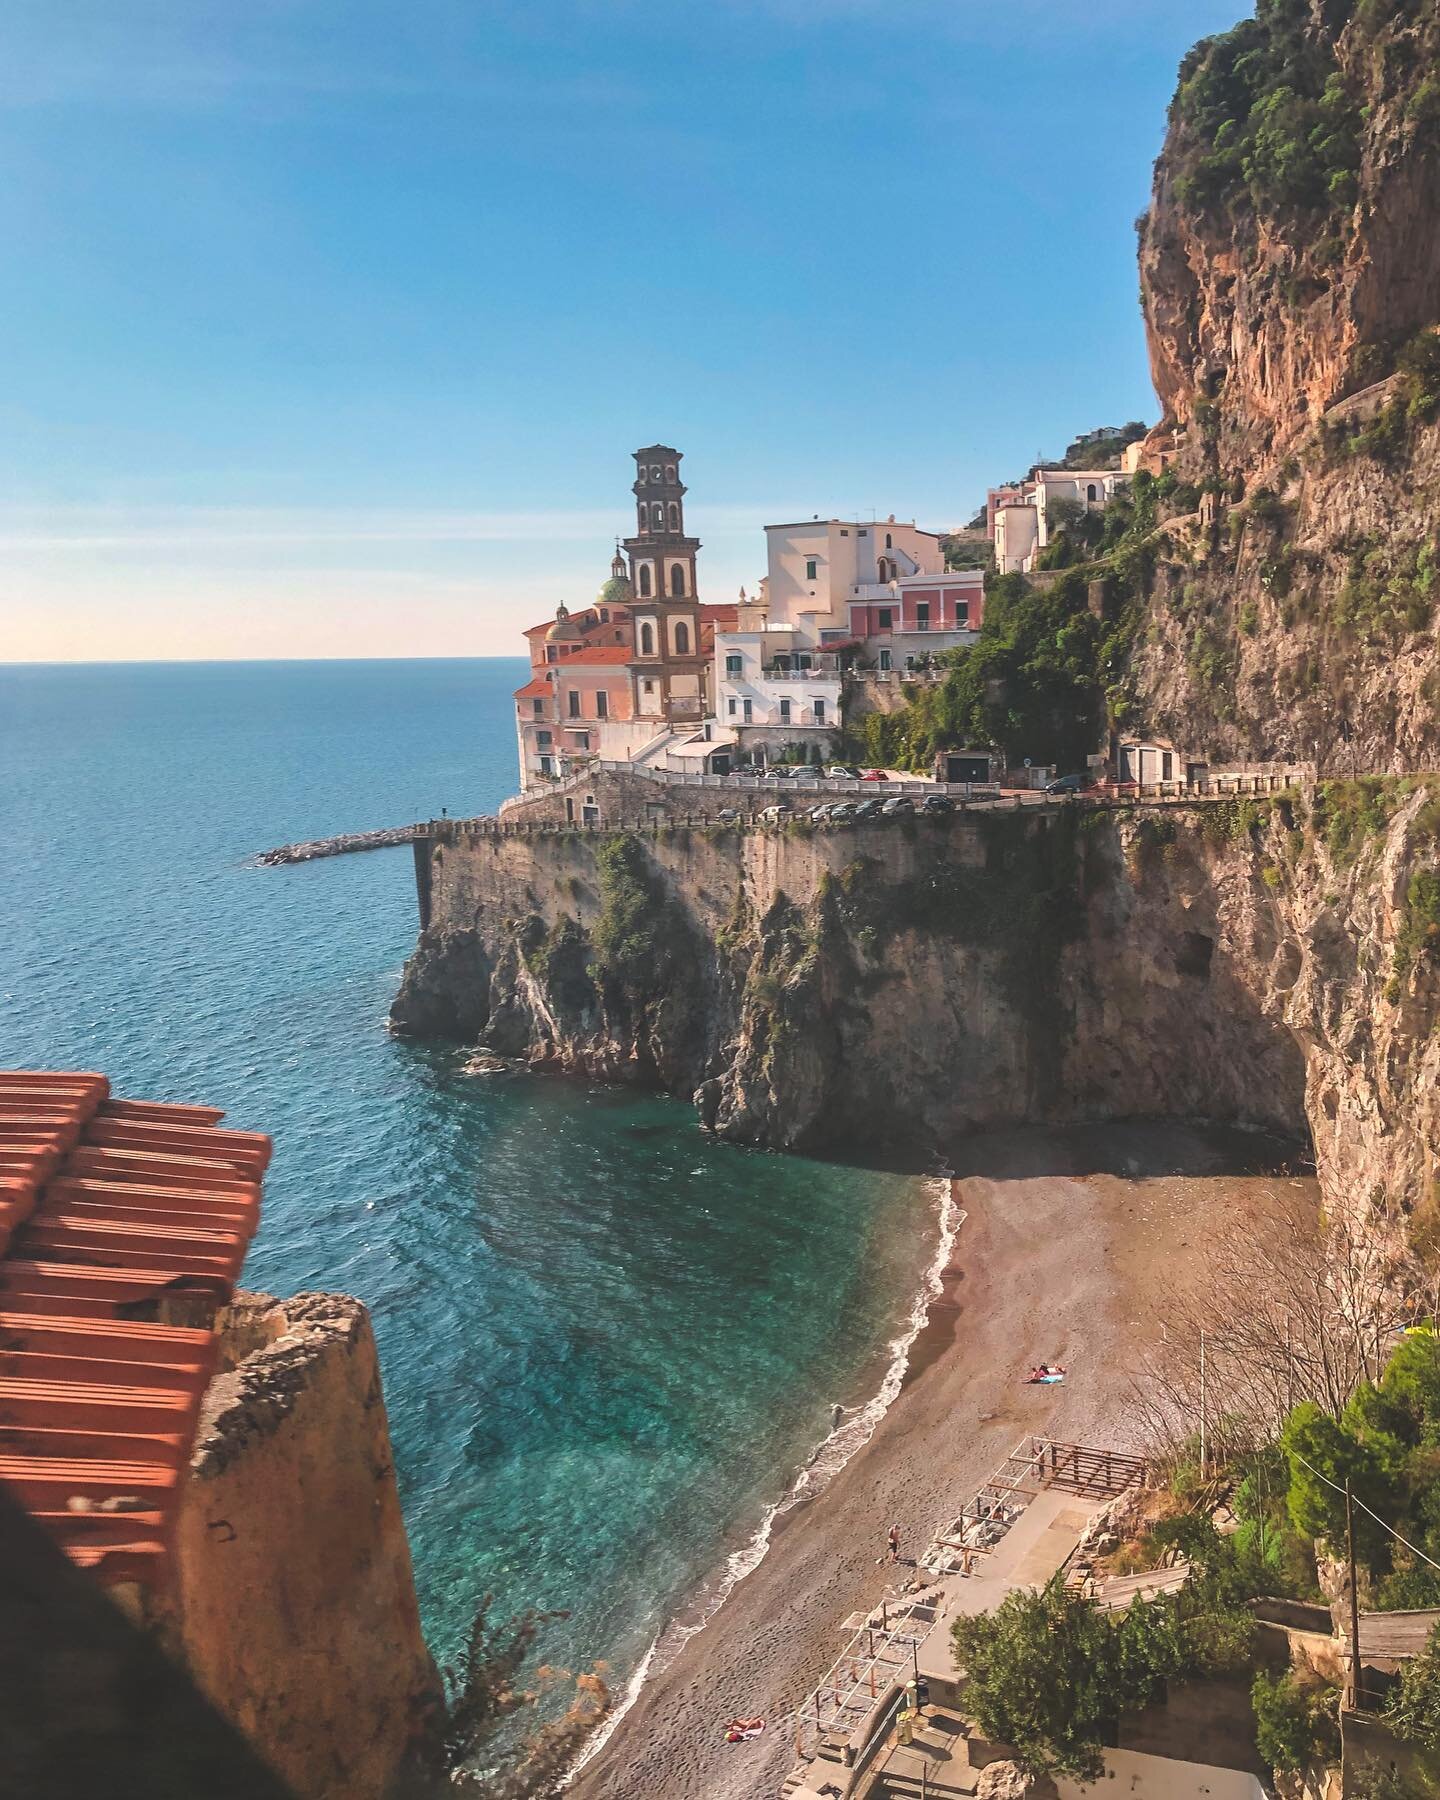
pixel 1071 1238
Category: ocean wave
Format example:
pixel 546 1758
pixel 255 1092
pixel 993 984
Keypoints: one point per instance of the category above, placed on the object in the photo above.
pixel 830 1456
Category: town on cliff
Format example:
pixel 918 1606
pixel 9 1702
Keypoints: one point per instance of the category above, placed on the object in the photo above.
pixel 1115 917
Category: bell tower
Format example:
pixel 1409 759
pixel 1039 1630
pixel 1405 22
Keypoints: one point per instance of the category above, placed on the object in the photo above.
pixel 670 666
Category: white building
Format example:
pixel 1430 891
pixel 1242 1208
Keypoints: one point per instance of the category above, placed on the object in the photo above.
pixel 776 690
pixel 1019 519
pixel 816 568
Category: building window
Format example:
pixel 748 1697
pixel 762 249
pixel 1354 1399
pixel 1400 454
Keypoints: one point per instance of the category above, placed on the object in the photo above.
pixel 543 740
pixel 547 765
pixel 644 516
pixel 602 705
pixel 649 687
pixel 812 568
pixel 862 534
pixel 962 612
pixel 674 516
pixel 677 581
pixel 734 708
pixel 682 639
pixel 885 661
pixel 844 533
pixel 642 472
pixel 749 712
pixel 647 644
pixel 538 706
pixel 669 471
pixel 551 653
pixel 1167 766
pixel 887 618
pixel 819 712
pixel 582 740
pixel 1092 493
pixel 604 615
pixel 889 541
pixel 654 471
pixel 784 712
pixel 922 615
pixel 644 581
pixel 657 516
pixel 734 663
pixel 574 699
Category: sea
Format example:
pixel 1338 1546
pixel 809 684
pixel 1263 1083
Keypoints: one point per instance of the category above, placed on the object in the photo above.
pixel 610 1345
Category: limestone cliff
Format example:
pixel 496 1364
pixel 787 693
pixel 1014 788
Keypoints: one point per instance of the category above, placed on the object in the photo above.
pixel 293 1605
pixel 1270 963
pixel 1290 275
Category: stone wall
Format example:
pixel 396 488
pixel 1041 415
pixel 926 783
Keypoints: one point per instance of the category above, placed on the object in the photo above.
pixel 293 1605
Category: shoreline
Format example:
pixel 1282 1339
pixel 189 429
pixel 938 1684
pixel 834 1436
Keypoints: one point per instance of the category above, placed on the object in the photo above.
pixel 830 1457
pixel 1069 1236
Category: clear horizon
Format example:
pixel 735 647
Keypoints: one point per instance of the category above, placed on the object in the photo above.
pixel 331 332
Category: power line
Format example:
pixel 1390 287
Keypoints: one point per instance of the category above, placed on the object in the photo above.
pixel 1339 1489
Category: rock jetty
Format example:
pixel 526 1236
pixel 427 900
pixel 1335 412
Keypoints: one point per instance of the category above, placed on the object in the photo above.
pixel 338 846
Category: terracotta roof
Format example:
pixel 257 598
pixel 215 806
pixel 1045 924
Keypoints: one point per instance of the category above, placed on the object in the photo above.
pixel 720 614
pixel 599 653
pixel 113 1215
pixel 533 690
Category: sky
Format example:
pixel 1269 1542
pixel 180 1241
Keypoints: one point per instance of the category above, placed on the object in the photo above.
pixel 328 326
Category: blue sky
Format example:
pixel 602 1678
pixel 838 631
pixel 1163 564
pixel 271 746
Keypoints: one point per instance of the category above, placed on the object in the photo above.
pixel 328 325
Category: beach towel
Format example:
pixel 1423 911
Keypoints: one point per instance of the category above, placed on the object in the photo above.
pixel 742 1733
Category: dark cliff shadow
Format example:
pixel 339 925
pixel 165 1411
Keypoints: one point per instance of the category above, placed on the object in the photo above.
pixel 1134 1149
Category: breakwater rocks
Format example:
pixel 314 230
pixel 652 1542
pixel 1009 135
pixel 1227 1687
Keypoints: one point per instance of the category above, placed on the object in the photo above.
pixel 345 845
pixel 1261 962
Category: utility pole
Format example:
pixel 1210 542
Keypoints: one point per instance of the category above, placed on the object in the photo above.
pixel 1202 1406
pixel 1354 1601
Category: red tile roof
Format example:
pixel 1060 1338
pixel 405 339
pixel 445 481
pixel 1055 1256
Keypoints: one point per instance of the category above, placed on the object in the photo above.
pixel 533 690
pixel 112 1213
pixel 600 653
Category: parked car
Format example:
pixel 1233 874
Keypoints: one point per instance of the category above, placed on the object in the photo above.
pixel 937 803
pixel 1069 784
pixel 819 814
pixel 872 774
pixel 902 803
pixel 772 815
pixel 727 815
pixel 869 809
pixel 842 772
pixel 845 810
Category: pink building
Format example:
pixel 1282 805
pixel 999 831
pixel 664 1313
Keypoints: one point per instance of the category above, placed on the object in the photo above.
pixel 918 615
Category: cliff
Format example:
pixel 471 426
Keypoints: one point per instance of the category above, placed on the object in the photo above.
pixel 1290 277
pixel 293 1606
pixel 1270 963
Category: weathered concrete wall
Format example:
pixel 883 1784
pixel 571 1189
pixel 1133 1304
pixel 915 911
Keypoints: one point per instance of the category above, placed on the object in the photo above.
pixel 294 1602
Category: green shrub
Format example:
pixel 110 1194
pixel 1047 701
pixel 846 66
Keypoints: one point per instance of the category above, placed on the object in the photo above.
pixel 1296 1722
pixel 1413 1711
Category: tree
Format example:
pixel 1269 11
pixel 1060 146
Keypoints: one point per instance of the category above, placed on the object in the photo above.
pixel 1050 1674
pixel 1324 1457
pixel 1296 1721
pixel 1413 1711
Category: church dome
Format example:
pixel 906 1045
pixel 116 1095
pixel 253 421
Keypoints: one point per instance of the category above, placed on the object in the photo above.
pixel 564 627
pixel 616 592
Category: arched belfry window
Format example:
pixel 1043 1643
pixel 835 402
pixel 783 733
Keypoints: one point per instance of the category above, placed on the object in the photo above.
pixel 682 639
pixel 1092 492
pixel 644 516
pixel 677 580
pixel 645 581
pixel 657 514
pixel 889 541
pixel 674 516
pixel 647 639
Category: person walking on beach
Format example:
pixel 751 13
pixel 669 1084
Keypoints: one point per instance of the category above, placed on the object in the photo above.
pixel 894 1542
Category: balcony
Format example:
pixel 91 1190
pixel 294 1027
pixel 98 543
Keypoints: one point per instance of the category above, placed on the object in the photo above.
pixel 824 668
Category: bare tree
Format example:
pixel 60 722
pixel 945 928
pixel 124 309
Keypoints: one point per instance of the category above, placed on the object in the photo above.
pixel 1297 1309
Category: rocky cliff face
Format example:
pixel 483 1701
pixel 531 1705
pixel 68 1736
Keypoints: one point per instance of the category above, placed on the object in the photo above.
pixel 905 983
pixel 294 1602
pixel 1290 273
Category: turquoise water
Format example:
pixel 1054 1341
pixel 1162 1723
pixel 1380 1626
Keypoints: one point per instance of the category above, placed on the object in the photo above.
pixel 607 1343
